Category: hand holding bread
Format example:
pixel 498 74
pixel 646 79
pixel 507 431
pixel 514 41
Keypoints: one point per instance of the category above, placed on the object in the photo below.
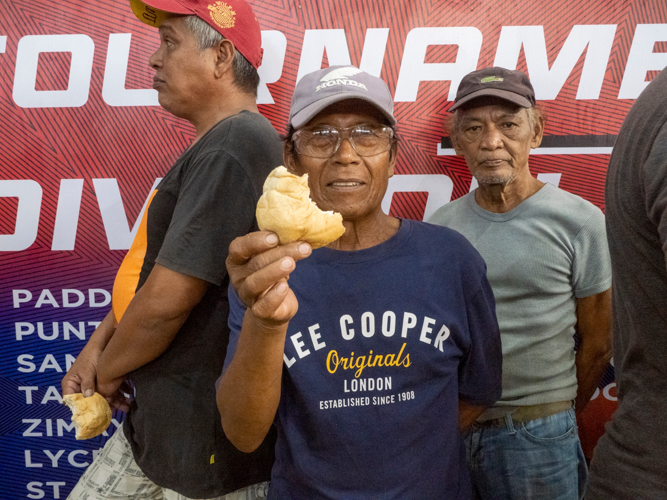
pixel 91 416
pixel 286 208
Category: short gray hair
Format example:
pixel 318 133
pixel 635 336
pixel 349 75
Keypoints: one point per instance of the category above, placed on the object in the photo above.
pixel 453 121
pixel 245 74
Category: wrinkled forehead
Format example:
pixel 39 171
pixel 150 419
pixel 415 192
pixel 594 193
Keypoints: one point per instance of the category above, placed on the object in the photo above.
pixel 496 111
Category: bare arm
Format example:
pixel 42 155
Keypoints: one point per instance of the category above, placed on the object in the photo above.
pixel 150 323
pixel 83 372
pixel 594 353
pixel 468 414
pixel 249 390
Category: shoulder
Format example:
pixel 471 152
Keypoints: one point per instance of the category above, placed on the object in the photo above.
pixel 246 142
pixel 243 133
pixel 570 208
pixel 451 211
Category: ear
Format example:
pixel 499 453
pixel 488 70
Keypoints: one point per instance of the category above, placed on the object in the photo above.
pixel 224 57
pixel 455 144
pixel 392 158
pixel 538 130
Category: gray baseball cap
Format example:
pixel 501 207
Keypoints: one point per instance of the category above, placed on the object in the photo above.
pixel 322 88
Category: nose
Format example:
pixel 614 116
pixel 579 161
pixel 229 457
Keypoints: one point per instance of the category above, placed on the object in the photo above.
pixel 345 154
pixel 491 138
pixel 154 59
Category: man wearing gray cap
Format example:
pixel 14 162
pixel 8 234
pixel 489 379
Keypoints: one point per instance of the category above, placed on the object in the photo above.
pixel 548 265
pixel 394 346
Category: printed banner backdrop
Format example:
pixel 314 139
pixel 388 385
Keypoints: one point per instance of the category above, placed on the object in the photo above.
pixel 83 141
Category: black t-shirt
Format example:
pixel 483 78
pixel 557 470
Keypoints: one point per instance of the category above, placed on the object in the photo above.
pixel 206 200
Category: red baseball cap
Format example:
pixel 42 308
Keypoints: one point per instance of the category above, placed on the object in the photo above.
pixel 233 19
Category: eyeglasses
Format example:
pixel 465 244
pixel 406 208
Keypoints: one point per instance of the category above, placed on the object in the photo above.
pixel 323 142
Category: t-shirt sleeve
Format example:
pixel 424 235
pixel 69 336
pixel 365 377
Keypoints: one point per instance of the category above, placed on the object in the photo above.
pixel 591 268
pixel 655 186
pixel 480 370
pixel 216 203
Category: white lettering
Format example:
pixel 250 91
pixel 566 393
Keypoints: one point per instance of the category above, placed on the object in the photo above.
pixel 82 50
pixel 33 488
pixel 74 463
pixel 409 321
pixel 28 460
pixel 54 458
pixel 367 324
pixel 46 297
pixel 298 345
pixel 34 422
pixel 347 333
pixel 28 392
pixel 113 213
pixel 288 361
pixel 69 328
pixel 315 42
pixel 54 330
pixel 114 92
pixel 93 292
pixel 26 365
pixel 67 214
pixel 19 297
pixel 596 40
pixel 274 44
pixel 443 335
pixel 52 394
pixel 426 329
pixel 66 297
pixel 388 324
pixel 414 70
pixel 642 59
pixel 315 336
pixel 606 392
pixel 29 194
pixel 439 188
pixel 23 329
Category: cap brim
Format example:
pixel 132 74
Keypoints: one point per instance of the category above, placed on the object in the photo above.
pixel 153 12
pixel 309 112
pixel 502 94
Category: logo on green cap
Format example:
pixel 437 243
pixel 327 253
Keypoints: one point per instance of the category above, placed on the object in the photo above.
pixel 488 79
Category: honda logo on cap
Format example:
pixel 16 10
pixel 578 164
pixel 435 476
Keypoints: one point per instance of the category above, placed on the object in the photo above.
pixel 339 76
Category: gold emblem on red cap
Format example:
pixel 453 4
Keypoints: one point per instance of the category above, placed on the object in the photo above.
pixel 222 15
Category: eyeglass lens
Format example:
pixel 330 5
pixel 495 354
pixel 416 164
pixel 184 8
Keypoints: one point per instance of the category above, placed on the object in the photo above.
pixel 324 142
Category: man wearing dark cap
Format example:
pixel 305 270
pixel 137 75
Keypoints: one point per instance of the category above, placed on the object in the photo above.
pixel 548 265
pixel 167 333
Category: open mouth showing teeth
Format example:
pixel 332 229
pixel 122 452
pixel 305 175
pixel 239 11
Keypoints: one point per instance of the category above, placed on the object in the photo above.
pixel 345 184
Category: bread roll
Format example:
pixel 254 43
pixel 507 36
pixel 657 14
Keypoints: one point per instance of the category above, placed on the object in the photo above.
pixel 286 208
pixel 91 416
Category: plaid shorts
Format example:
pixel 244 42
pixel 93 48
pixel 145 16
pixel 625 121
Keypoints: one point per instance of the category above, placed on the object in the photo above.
pixel 114 475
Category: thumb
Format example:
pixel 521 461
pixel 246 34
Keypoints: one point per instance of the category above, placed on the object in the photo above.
pixel 88 387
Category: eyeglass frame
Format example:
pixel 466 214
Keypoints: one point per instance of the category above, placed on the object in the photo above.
pixel 392 139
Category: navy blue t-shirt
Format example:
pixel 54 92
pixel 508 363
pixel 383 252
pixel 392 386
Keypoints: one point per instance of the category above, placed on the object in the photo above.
pixel 385 342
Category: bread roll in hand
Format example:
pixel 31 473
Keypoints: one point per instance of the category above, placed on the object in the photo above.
pixel 286 208
pixel 91 416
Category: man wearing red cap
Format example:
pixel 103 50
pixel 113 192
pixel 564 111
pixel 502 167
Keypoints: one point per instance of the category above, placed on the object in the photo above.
pixel 548 265
pixel 165 339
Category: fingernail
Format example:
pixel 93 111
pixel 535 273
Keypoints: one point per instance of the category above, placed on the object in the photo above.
pixel 304 248
pixel 281 288
pixel 286 263
pixel 272 239
pixel 88 393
